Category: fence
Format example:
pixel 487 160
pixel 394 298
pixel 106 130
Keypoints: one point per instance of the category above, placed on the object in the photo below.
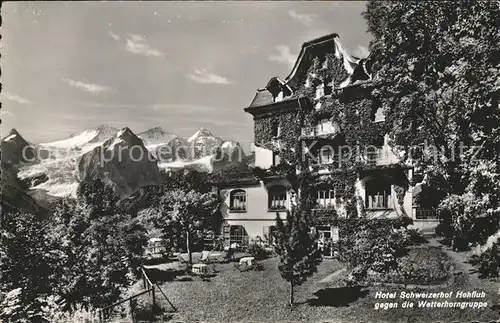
pixel 149 288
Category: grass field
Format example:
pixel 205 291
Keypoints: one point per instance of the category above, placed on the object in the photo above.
pixel 261 296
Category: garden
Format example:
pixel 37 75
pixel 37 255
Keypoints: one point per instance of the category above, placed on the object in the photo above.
pixel 261 295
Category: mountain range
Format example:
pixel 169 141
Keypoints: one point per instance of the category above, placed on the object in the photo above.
pixel 118 156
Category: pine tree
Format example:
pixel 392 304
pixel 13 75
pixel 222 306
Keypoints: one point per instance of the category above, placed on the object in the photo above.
pixel 296 246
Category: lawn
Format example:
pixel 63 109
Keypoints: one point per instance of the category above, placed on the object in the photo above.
pixel 261 296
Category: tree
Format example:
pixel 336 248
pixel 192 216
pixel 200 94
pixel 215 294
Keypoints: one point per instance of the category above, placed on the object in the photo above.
pixel 295 243
pixel 184 212
pixel 437 67
pixel 101 249
pixel 28 261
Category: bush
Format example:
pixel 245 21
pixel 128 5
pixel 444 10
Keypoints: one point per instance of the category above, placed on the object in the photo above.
pixel 414 236
pixel 371 245
pixel 257 251
pixel 488 257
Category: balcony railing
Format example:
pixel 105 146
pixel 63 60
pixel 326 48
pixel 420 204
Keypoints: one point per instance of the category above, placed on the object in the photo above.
pixel 422 214
pixel 380 157
pixel 318 131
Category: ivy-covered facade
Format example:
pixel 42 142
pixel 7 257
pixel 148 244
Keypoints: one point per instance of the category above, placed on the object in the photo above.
pixel 323 120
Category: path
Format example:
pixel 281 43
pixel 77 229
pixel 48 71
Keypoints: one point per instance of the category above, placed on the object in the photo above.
pixel 461 264
pixel 331 277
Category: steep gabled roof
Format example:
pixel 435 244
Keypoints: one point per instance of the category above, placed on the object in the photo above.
pixel 350 61
pixel 359 70
pixel 262 97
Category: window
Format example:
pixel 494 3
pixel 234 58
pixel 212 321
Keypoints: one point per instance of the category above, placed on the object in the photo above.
pixel 328 89
pixel 325 155
pixel 325 198
pixel 269 232
pixel 277 198
pixel 324 126
pixel 276 159
pixel 238 235
pixel 379 115
pixel 278 97
pixel 215 191
pixel 378 194
pixel 275 129
pixel 320 91
pixel 238 200
pixel 373 155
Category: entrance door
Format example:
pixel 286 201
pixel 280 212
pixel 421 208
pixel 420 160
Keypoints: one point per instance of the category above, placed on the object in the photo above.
pixel 328 239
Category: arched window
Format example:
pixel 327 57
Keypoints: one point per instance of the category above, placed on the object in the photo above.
pixel 238 200
pixel 378 194
pixel 277 197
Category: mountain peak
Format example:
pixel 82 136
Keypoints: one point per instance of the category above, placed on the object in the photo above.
pixel 16 136
pixel 202 132
pixel 125 132
pixel 14 132
pixel 157 129
pixel 105 127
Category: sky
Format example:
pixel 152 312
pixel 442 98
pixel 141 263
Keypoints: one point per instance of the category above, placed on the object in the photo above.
pixel 70 66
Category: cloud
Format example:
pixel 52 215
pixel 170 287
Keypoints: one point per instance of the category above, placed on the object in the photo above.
pixel 136 44
pixel 284 56
pixel 361 52
pixel 15 98
pixel 114 36
pixel 305 19
pixel 6 113
pixel 88 87
pixel 203 76
pixel 99 105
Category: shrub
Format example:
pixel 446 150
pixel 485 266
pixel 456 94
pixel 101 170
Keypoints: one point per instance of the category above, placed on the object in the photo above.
pixel 488 256
pixel 257 251
pixel 414 236
pixel 371 245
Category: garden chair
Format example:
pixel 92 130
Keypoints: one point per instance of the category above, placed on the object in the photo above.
pixel 182 261
pixel 205 259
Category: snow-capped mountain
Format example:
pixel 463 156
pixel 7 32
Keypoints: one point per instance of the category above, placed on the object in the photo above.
pixel 123 161
pixel 61 165
pixel 57 161
pixel 87 137
pixel 156 136
pixel 204 143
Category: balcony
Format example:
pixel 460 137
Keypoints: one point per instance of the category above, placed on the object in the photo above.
pixel 381 157
pixel 320 130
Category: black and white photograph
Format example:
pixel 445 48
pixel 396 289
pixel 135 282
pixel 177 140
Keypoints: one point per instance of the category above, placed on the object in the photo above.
pixel 250 161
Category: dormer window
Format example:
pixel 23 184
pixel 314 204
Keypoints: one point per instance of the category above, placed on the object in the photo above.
pixel 279 97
